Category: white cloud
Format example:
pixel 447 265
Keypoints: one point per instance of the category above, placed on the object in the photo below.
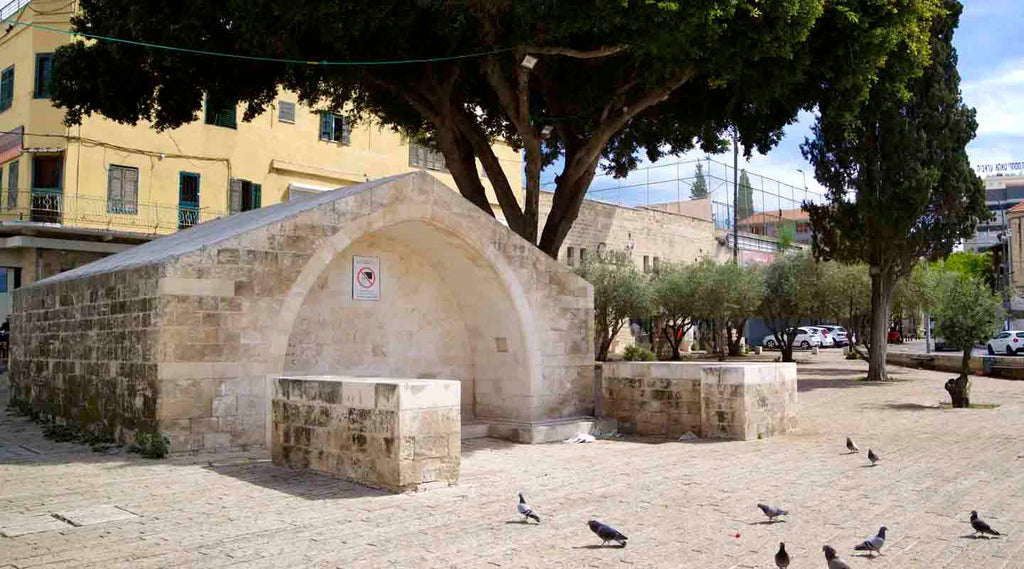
pixel 999 100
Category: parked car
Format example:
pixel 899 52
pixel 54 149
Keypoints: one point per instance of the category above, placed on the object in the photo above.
pixel 806 338
pixel 1010 342
pixel 827 341
pixel 838 334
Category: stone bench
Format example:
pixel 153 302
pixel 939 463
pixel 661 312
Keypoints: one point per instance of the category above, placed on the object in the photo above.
pixel 712 400
pixel 396 434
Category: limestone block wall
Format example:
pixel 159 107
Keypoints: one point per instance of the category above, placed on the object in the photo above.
pixel 674 237
pixel 713 400
pixel 86 351
pixel 241 300
pixel 386 433
pixel 653 405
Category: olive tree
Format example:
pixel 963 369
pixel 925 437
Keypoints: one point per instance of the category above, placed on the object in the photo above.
pixel 620 292
pixel 966 311
pixel 677 299
pixel 792 292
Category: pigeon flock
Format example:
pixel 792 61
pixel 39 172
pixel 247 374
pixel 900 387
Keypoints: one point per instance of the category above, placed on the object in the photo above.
pixel 873 545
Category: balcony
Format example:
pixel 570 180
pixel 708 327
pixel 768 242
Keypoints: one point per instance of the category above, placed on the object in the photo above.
pixel 45 205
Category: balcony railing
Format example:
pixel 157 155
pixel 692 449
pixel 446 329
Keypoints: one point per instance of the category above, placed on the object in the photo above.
pixel 47 205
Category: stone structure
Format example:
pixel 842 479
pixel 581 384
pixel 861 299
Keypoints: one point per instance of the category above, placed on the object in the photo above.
pixel 713 400
pixel 185 334
pixel 652 235
pixel 397 434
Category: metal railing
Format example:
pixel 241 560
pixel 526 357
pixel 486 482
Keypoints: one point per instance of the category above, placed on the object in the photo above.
pixel 770 205
pixel 48 205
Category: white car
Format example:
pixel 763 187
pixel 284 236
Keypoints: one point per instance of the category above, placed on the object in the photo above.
pixel 838 334
pixel 1010 342
pixel 806 338
pixel 827 341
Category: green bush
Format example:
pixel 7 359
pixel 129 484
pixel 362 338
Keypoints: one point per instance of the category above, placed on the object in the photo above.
pixel 636 353
pixel 150 445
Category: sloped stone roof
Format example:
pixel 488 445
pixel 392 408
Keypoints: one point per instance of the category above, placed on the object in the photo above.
pixel 212 232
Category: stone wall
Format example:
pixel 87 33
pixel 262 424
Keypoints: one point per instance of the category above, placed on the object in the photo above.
pixel 86 351
pixel 394 434
pixel 650 233
pixel 712 400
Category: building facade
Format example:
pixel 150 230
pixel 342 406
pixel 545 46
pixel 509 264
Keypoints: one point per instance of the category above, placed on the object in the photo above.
pixel 70 195
pixel 1002 193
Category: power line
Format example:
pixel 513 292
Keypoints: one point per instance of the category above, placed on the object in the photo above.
pixel 259 58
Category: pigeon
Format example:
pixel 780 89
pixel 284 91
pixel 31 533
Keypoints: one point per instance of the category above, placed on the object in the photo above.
pixel 526 510
pixel 782 558
pixel 980 526
pixel 834 562
pixel 607 533
pixel 771 512
pixel 874 544
pixel 851 446
pixel 872 457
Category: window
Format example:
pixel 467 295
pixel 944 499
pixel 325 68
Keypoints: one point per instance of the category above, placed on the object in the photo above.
pixel 426 158
pixel 757 230
pixel 335 128
pixel 122 189
pixel 220 112
pixel 188 199
pixel 803 228
pixel 286 112
pixel 1002 336
pixel 44 72
pixel 243 196
pixel 568 256
pixel 12 184
pixel 47 201
pixel 1020 334
pixel 647 266
pixel 583 255
pixel 7 88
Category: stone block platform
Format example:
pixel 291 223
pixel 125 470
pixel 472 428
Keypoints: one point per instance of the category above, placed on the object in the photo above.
pixel 713 400
pixel 396 434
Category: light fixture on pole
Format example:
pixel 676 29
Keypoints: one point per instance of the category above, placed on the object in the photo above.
pixel 805 177
pixel 528 61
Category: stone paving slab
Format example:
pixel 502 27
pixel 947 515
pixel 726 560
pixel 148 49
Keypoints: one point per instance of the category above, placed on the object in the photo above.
pixel 682 504
pixel 94 515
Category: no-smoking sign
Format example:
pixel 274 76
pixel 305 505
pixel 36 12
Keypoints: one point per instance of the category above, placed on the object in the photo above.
pixel 365 278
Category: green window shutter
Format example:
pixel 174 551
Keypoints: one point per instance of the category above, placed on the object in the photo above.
pixel 257 191
pixel 226 117
pixel 115 189
pixel 235 196
pixel 7 88
pixel 130 190
pixel 211 114
pixel 326 126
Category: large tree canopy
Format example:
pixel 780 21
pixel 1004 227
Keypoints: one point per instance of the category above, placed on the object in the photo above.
pixel 613 78
pixel 900 185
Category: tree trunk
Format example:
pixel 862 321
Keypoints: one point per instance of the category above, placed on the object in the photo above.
pixel 883 280
pixel 669 332
pixel 734 342
pixel 959 388
pixel 570 190
pixel 787 351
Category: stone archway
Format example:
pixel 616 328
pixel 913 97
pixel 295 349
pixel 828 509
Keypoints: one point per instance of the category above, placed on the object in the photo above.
pixel 445 312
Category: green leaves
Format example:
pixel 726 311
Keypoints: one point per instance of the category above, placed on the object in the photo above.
pixel 620 292
pixel 964 307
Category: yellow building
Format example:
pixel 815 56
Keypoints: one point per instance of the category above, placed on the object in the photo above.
pixel 71 195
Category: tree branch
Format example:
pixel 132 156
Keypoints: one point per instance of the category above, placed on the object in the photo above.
pixel 605 51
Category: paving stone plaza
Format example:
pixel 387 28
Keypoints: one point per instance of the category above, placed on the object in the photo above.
pixel 682 504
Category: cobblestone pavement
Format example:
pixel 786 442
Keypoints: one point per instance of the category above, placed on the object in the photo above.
pixel 683 504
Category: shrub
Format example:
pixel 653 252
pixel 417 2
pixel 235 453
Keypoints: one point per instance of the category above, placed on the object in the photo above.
pixel 150 445
pixel 636 353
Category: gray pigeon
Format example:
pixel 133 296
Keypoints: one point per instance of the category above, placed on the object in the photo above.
pixel 782 558
pixel 771 512
pixel 980 526
pixel 851 446
pixel 526 510
pixel 834 562
pixel 872 457
pixel 607 533
pixel 874 544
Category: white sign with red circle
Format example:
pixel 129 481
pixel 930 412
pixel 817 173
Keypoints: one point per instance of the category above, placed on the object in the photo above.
pixel 365 278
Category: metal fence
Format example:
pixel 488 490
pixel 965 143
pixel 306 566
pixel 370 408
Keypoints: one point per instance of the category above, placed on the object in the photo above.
pixel 52 206
pixel 770 204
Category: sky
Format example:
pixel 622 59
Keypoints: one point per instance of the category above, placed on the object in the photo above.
pixel 990 45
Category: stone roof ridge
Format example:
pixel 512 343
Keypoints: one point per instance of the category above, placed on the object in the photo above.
pixel 212 232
